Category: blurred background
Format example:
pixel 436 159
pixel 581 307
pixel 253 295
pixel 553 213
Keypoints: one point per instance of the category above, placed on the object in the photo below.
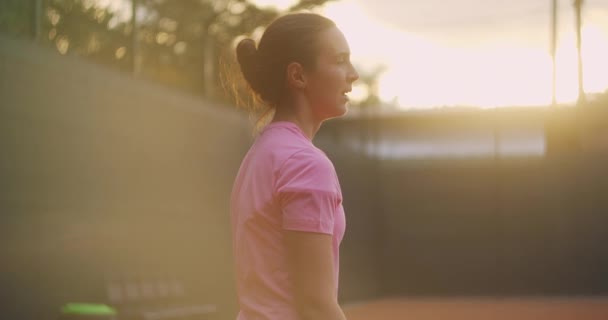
pixel 472 158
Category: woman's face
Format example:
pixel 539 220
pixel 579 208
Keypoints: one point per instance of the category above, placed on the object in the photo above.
pixel 332 77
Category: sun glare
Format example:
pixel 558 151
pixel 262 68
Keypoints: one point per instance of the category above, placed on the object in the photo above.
pixel 277 4
pixel 421 73
pixel 595 51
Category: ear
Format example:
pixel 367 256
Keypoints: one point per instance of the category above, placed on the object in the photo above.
pixel 296 77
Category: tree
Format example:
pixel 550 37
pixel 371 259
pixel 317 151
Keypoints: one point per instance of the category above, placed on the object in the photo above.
pixel 85 29
pixel 183 40
pixel 369 79
pixel 179 43
pixel 581 91
pixel 204 30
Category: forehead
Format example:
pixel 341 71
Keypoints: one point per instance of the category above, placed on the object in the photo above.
pixel 332 42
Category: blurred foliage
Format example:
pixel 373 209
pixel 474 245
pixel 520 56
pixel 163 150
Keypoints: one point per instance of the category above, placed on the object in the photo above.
pixel 84 29
pixel 184 40
pixel 368 79
pixel 179 43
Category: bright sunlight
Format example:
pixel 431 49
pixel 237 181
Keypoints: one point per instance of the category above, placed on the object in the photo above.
pixel 422 74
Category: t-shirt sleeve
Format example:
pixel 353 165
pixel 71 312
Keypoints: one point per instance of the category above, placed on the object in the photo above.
pixel 307 192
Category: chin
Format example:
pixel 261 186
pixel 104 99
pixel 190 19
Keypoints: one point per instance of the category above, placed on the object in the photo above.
pixel 334 110
pixel 338 111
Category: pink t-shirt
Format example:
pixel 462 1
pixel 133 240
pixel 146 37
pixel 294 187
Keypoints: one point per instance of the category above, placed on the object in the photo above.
pixel 284 183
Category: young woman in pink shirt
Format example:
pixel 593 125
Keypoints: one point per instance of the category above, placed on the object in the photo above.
pixel 286 204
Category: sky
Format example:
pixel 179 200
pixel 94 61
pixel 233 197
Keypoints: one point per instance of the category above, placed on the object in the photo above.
pixel 485 53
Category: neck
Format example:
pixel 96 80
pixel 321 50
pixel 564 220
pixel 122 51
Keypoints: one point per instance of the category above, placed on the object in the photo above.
pixel 301 115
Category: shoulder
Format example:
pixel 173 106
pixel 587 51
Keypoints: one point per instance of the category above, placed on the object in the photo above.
pixel 308 157
pixel 307 168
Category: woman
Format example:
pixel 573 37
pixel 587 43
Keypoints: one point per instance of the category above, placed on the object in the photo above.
pixel 286 204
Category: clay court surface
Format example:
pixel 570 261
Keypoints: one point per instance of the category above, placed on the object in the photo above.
pixel 560 308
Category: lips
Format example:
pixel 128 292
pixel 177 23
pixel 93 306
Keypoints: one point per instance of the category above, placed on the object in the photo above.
pixel 345 92
pixel 345 97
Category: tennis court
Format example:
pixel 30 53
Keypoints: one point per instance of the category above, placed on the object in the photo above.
pixel 524 308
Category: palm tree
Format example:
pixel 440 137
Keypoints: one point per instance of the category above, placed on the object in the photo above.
pixel 581 90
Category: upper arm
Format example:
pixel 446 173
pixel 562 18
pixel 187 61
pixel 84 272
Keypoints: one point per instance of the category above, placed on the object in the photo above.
pixel 307 192
pixel 310 263
pixel 309 199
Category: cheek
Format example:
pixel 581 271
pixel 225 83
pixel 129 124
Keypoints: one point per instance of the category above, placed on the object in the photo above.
pixel 325 90
pixel 330 83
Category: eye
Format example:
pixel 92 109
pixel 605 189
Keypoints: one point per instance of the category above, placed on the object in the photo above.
pixel 342 59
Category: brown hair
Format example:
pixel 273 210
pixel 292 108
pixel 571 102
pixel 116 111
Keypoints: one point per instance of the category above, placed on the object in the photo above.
pixel 290 38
